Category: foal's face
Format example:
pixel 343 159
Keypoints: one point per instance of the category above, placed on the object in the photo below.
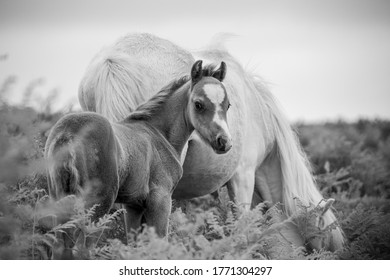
pixel 208 107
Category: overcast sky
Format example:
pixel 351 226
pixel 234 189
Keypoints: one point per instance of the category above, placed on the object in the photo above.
pixel 322 59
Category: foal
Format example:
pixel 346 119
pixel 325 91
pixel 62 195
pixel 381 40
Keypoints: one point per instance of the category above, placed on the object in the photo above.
pixel 137 161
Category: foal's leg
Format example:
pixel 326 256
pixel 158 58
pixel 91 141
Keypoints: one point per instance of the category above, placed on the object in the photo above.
pixel 63 247
pixel 158 210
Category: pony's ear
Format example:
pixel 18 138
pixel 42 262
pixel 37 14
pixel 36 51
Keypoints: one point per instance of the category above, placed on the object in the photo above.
pixel 196 72
pixel 221 72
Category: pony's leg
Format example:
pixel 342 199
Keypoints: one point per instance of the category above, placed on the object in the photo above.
pixel 133 218
pixel 269 189
pixel 158 210
pixel 216 196
pixel 240 188
pixel 268 182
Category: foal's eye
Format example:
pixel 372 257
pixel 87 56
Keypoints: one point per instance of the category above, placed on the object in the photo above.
pixel 199 106
pixel 229 105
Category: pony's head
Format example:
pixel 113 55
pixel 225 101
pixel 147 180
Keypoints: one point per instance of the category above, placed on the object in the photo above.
pixel 208 106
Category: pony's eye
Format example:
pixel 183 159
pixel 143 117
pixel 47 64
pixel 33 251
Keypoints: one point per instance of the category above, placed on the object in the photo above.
pixel 199 106
pixel 229 105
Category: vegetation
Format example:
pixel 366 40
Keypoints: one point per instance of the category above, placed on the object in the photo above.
pixel 351 162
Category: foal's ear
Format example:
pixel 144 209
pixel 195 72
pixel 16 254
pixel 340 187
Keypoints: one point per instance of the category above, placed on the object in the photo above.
pixel 196 72
pixel 221 72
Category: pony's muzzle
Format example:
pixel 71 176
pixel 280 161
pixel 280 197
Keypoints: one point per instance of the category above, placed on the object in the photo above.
pixel 222 144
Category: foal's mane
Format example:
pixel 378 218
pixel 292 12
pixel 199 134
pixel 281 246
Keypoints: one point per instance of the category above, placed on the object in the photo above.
pixel 146 110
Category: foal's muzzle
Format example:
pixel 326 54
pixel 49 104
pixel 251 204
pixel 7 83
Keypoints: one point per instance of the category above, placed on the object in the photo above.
pixel 222 144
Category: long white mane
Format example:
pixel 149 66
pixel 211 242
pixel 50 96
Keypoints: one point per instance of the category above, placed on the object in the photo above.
pixel 110 78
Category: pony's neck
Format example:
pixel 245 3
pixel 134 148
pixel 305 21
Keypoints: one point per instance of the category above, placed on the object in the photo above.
pixel 172 120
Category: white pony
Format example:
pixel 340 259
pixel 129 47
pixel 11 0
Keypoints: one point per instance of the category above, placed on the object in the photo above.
pixel 266 162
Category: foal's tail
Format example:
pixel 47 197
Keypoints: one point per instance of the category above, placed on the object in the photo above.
pixel 63 175
pixel 63 180
pixel 113 85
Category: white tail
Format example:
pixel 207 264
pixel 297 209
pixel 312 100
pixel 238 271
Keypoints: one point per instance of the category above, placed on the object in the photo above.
pixel 113 86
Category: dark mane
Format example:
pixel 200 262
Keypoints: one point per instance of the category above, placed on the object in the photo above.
pixel 146 110
pixel 209 70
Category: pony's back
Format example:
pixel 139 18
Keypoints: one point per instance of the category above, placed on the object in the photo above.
pixel 129 72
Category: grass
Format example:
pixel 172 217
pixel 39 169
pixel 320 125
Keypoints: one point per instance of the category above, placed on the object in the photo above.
pixel 351 163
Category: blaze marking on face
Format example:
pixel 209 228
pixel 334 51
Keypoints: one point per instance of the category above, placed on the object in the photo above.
pixel 222 123
pixel 216 94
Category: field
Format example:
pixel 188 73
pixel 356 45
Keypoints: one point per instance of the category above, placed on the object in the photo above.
pixel 351 162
